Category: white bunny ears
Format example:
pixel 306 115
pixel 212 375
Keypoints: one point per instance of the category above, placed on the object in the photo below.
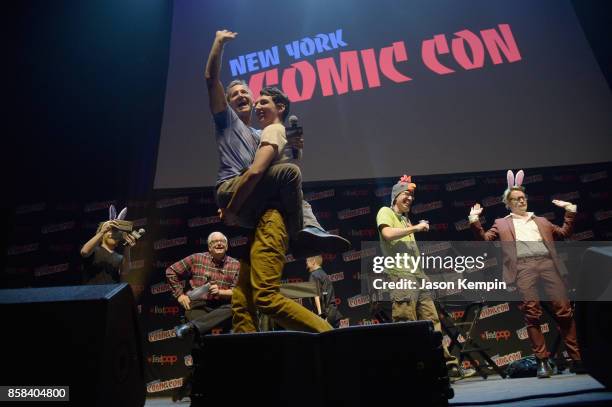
pixel 515 182
pixel 112 213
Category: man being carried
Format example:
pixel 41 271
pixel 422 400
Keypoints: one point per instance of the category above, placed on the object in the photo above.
pixel 237 143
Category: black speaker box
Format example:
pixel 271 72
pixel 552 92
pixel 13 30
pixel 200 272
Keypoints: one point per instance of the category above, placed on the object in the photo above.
pixel 594 318
pixel 84 337
pixel 364 365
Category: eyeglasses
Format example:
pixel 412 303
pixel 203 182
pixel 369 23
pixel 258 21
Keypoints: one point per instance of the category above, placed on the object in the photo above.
pixel 213 242
pixel 520 198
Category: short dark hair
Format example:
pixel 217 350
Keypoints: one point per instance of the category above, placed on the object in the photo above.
pixel 278 97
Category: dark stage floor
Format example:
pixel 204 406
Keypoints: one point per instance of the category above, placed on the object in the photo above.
pixel 560 390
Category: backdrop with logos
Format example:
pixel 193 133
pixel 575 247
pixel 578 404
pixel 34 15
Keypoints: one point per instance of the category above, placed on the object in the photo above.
pixel 46 237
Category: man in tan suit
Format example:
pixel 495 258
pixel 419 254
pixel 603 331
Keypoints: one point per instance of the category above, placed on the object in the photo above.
pixel 530 259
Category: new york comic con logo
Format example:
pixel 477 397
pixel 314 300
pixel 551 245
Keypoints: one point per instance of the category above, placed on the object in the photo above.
pixel 343 73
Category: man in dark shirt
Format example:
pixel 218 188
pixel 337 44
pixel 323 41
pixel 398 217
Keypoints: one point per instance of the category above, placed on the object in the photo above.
pixel 101 263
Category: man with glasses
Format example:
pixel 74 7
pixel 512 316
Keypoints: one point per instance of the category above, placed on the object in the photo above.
pixel 212 277
pixel 530 259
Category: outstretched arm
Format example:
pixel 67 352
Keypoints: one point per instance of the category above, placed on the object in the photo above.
pixel 477 228
pixel 389 233
pixel 565 231
pixel 216 93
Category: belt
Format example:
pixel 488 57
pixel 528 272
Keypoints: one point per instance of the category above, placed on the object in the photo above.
pixel 533 258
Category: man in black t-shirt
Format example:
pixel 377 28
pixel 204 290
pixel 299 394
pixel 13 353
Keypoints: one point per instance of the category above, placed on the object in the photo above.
pixel 101 263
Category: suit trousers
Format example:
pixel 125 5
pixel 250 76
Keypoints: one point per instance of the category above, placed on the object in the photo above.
pixel 531 272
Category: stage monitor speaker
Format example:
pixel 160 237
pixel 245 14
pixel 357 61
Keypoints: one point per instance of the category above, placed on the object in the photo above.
pixel 593 317
pixel 354 366
pixel 84 337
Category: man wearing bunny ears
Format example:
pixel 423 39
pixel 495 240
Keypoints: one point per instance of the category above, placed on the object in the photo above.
pixel 396 235
pixel 101 263
pixel 532 258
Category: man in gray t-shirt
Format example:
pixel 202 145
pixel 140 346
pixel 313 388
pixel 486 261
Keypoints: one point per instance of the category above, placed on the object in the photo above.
pixel 237 142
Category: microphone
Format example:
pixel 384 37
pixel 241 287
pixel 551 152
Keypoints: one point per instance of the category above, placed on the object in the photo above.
pixel 136 235
pixel 294 131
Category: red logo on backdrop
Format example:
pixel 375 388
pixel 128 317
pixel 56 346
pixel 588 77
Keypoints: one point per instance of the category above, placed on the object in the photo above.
pixel 313 196
pixel 368 322
pixel 167 243
pixel 160 335
pixel 157 385
pixel 162 359
pixel 456 185
pixel 487 312
pixel 507 359
pixel 356 192
pixel 166 203
pixel 336 276
pixel 168 310
pixel 358 300
pixel 426 207
pixel 353 213
pixel 495 335
pixel 456 315
pixel 466 51
pixel 356 255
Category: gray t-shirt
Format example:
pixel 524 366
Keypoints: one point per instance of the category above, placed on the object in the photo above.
pixel 236 144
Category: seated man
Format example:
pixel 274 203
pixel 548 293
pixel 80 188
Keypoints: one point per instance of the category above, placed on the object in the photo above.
pixel 237 143
pixel 212 273
pixel 259 281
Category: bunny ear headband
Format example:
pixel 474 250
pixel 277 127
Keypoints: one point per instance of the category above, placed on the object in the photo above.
pixel 515 182
pixel 122 224
pixel 112 213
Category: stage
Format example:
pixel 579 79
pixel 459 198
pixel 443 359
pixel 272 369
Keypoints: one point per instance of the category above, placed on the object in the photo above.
pixel 560 390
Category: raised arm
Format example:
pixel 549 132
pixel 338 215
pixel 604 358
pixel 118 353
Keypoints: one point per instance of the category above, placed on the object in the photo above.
pixel 216 93
pixel 565 231
pixel 90 245
pixel 477 228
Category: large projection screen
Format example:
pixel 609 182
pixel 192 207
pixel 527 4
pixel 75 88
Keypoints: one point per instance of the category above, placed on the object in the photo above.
pixel 386 88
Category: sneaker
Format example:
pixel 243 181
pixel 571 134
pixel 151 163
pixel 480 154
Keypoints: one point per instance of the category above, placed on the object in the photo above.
pixel 544 368
pixel 457 373
pixel 184 330
pixel 321 241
